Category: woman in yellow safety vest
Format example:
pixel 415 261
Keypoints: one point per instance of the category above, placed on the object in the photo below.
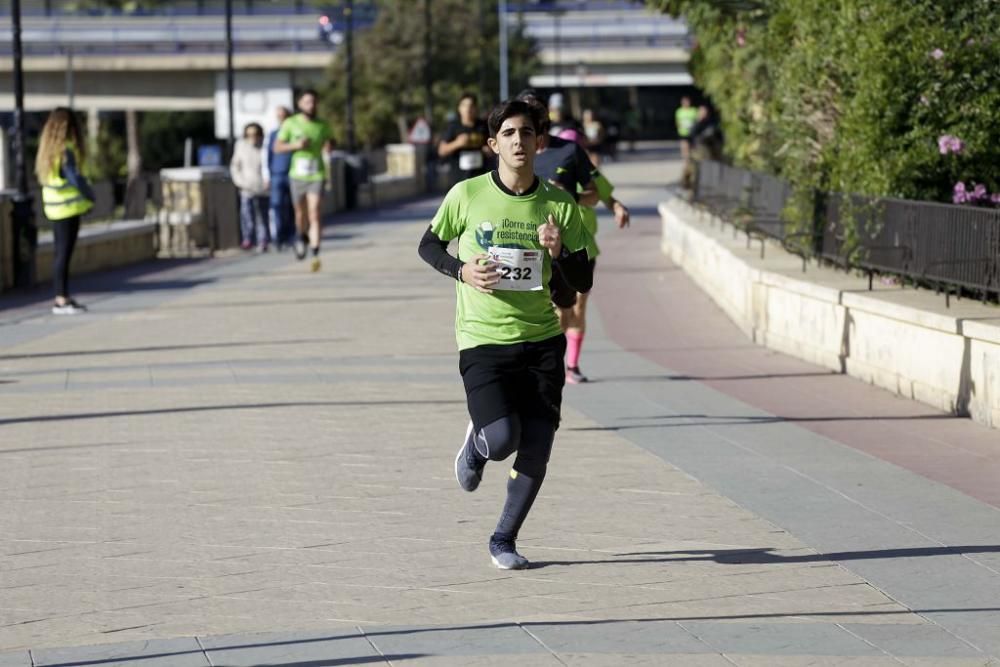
pixel 66 195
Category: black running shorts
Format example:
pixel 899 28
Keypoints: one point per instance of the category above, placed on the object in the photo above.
pixel 563 295
pixel 524 378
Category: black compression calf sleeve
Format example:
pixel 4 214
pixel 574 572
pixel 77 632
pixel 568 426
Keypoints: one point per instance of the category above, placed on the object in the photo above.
pixel 521 493
pixel 526 478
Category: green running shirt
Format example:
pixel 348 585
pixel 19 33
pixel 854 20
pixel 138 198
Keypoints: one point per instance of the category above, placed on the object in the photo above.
pixel 479 214
pixel 589 213
pixel 685 117
pixel 307 164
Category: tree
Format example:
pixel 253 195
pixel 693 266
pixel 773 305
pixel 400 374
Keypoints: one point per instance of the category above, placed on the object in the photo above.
pixel 389 65
pixel 881 97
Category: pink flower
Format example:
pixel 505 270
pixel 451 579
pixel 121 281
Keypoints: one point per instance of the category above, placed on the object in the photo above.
pixel 949 144
pixel 978 192
pixel 995 198
pixel 959 195
pixel 937 54
pixel 741 37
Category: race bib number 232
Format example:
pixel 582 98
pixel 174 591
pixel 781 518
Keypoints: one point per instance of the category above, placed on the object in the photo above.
pixel 520 270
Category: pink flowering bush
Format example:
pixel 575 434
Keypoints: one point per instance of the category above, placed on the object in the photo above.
pixel 881 98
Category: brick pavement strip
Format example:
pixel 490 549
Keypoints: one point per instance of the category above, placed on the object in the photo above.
pixel 269 451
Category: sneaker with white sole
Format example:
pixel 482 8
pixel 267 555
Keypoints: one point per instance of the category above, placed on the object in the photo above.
pixel 300 247
pixel 574 376
pixel 469 464
pixel 504 554
pixel 69 308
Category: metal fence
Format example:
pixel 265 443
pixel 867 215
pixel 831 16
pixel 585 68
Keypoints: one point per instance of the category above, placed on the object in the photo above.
pixel 944 246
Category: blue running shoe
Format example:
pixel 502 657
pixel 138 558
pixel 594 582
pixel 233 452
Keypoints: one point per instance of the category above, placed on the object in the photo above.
pixel 504 553
pixel 469 464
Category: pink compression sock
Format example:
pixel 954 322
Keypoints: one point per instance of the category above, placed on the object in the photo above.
pixel 574 341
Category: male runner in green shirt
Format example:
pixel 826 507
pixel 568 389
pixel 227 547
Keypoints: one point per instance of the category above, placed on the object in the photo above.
pixel 509 225
pixel 685 117
pixel 306 138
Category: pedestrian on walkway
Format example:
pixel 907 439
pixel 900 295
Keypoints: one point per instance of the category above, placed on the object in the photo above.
pixel 563 162
pixel 308 139
pixel 66 196
pixel 595 133
pixel 684 118
pixel 464 142
pixel 559 115
pixel 282 213
pixel 247 171
pixel 706 135
pixel 510 224
pixel 572 304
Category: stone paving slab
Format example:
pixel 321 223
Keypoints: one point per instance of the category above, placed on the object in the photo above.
pixel 285 468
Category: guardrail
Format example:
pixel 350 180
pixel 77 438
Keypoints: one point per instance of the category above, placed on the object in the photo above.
pixel 947 247
pixel 55 8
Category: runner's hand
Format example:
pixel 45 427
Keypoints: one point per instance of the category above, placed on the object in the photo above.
pixel 622 216
pixel 550 237
pixel 303 144
pixel 481 273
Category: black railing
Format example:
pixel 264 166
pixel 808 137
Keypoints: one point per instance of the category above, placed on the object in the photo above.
pixel 944 246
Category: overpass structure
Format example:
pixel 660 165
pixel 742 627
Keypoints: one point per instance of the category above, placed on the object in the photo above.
pixel 176 61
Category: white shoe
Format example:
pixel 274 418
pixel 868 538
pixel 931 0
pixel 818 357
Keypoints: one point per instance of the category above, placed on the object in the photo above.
pixel 68 308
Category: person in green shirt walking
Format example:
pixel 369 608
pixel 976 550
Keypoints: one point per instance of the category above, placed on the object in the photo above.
pixel 510 226
pixel 685 117
pixel 307 138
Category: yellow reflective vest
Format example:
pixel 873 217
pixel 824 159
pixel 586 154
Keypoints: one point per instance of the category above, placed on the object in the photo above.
pixel 60 198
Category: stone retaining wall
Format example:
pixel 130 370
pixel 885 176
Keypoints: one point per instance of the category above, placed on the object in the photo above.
pixel 902 339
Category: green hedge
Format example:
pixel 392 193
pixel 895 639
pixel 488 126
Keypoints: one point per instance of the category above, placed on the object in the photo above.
pixel 895 98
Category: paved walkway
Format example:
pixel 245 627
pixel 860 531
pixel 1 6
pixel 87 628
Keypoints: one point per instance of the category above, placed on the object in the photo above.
pixel 235 462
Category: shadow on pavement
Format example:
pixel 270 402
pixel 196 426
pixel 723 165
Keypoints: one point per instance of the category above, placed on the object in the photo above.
pixel 745 420
pixel 165 348
pixel 713 378
pixel 258 303
pixel 212 408
pixel 291 643
pixel 754 556
pixel 766 557
pixel 332 662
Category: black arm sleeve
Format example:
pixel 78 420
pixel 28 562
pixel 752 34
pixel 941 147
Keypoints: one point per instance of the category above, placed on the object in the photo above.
pixel 577 269
pixel 584 167
pixel 434 251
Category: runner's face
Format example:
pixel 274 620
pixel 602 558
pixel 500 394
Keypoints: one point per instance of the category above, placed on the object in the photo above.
pixel 467 110
pixel 307 105
pixel 515 143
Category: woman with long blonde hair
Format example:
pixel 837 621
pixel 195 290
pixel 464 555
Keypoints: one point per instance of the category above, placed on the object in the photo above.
pixel 66 195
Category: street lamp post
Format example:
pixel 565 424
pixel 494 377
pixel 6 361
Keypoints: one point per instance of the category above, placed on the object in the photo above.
pixel 504 75
pixel 428 83
pixel 349 74
pixel 24 230
pixel 231 140
pixel 556 15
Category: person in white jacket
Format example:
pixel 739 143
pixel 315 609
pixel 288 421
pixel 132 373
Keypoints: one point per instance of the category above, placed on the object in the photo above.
pixel 247 171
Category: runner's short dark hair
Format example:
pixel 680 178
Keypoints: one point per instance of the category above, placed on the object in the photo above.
pixel 308 91
pixel 468 95
pixel 509 109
